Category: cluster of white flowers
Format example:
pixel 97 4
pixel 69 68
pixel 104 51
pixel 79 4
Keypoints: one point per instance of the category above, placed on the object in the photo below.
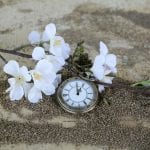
pixel 103 65
pixel 43 78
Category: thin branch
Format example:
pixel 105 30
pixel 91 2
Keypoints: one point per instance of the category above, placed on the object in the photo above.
pixel 28 45
pixel 21 47
pixel 144 90
pixel 15 53
pixel 15 50
pixel 3 59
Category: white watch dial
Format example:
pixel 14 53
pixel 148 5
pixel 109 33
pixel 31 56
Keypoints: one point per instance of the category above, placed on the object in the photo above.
pixel 76 95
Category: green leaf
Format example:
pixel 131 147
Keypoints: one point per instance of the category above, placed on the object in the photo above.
pixel 80 58
pixel 142 84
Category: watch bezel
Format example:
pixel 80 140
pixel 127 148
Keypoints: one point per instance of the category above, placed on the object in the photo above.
pixel 73 109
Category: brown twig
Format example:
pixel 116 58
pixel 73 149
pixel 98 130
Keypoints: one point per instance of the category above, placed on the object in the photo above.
pixel 4 60
pixel 143 90
pixel 13 52
pixel 21 47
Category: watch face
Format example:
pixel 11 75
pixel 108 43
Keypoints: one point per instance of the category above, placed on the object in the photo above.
pixel 77 95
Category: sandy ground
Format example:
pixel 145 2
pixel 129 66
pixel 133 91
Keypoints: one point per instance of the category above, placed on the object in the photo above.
pixel 124 125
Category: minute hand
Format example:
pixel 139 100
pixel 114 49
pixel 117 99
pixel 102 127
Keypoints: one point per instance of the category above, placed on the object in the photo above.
pixel 77 88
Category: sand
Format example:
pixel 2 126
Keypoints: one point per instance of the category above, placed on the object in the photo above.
pixel 122 124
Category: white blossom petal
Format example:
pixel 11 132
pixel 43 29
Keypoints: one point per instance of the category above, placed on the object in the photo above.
pixel 103 48
pixel 57 51
pixel 48 89
pixel 99 60
pixel 16 92
pixel 98 72
pixel 45 37
pixel 12 82
pixel 66 50
pixel 114 70
pixel 34 37
pixel 49 78
pixel 107 71
pixel 57 62
pixel 11 68
pixel 101 88
pixel 44 66
pixel 57 80
pixel 111 60
pixel 60 60
pixel 26 88
pixel 38 53
pixel 34 95
pixel 56 46
pixel 45 81
pixel 45 85
pixel 51 48
pixel 25 73
pixel 50 30
pixel 107 79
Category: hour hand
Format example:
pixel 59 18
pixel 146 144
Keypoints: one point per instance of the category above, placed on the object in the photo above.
pixel 79 90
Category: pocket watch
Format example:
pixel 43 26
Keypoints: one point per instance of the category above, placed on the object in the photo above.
pixel 77 95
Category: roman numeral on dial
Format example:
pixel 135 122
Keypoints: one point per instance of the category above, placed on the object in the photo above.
pixel 64 95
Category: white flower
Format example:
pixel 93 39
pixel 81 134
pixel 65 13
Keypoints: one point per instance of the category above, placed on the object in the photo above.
pixel 58 47
pixel 43 77
pixel 18 83
pixel 57 62
pixel 36 38
pixel 104 64
pixel 109 60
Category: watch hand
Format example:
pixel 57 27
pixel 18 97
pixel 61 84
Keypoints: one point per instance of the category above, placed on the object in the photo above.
pixel 77 88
